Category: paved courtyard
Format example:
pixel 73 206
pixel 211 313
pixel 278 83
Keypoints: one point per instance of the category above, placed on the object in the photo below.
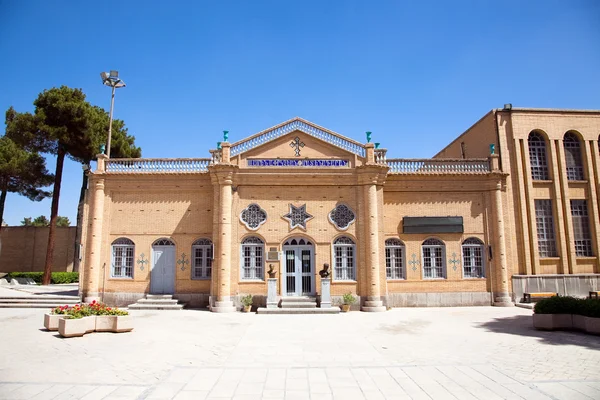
pixel 427 353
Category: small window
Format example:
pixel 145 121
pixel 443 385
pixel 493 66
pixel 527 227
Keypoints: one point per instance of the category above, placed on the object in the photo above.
pixel 434 259
pixel 122 258
pixel 394 259
pixel 343 256
pixel 202 256
pixel 253 250
pixel 472 252
pixel 537 157
pixel 581 228
pixel 573 157
pixel 544 222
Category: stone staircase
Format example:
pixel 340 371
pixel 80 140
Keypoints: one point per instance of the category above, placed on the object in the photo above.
pixel 298 305
pixel 42 301
pixel 157 302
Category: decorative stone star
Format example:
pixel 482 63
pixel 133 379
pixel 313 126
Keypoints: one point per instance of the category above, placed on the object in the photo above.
pixel 297 216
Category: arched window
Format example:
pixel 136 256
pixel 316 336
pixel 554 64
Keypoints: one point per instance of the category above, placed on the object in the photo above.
pixel 537 157
pixel 122 258
pixel 253 250
pixel 434 259
pixel 472 253
pixel 573 157
pixel 202 256
pixel 343 256
pixel 163 242
pixel 394 259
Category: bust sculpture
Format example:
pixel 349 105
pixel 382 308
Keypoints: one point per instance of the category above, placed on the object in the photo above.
pixel 271 271
pixel 325 271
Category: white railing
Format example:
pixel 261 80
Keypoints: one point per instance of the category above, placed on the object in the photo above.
pixel 216 157
pixel 296 125
pixel 380 156
pixel 439 166
pixel 157 165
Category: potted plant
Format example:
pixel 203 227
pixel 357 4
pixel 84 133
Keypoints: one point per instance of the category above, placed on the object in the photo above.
pixel 347 300
pixel 247 302
pixel 51 318
pixel 109 319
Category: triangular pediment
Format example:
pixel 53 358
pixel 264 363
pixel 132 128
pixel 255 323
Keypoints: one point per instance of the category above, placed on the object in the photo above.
pixel 273 141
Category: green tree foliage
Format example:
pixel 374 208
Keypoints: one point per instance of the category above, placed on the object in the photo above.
pixel 66 125
pixel 43 221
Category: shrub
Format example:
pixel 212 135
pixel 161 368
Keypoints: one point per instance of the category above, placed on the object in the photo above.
pixel 247 300
pixel 569 305
pixel 348 298
pixel 55 277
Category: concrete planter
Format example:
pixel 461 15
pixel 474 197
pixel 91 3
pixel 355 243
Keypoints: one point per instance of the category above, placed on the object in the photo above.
pixel 579 322
pixel 562 321
pixel 51 321
pixel 543 322
pixel 123 323
pixel 592 325
pixel 90 323
pixel 114 323
pixel 69 327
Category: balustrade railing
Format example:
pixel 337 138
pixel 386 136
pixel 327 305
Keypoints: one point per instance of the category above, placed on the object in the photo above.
pixel 439 166
pixel 216 156
pixel 380 156
pixel 257 140
pixel 157 165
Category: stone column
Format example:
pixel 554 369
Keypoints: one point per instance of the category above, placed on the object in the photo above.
pixel 272 300
pixel 502 297
pixel 373 301
pixel 93 267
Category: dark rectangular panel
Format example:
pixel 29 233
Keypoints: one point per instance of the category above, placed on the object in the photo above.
pixel 432 225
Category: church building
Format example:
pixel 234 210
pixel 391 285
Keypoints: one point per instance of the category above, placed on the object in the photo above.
pixel 509 206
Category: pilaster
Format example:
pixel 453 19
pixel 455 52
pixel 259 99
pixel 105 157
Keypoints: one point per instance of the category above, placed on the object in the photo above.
pixel 94 242
pixel 502 296
pixel 566 207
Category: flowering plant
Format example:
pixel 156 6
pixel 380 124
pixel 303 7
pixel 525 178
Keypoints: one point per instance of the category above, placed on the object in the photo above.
pixel 60 310
pixel 97 308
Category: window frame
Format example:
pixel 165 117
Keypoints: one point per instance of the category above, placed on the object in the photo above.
pixel 574 165
pixel 126 244
pixel 538 157
pixel 206 267
pixel 546 237
pixel 391 260
pixel 344 248
pixel 442 246
pixel 581 230
pixel 252 243
pixel 473 243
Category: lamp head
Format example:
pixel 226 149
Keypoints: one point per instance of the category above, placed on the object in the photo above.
pixel 114 74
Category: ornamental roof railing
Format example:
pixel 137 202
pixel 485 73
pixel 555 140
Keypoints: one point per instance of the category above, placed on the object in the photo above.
pixel 157 165
pixel 297 124
pixel 438 166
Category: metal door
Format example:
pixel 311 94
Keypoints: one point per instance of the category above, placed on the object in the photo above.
pixel 298 277
pixel 162 277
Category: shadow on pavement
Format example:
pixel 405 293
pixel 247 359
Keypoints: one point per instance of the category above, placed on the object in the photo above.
pixel 522 325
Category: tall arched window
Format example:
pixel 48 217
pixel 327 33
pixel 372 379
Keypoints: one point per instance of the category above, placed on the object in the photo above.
pixel 573 157
pixel 434 259
pixel 202 256
pixel 472 253
pixel 122 258
pixel 343 258
pixel 253 250
pixel 394 259
pixel 537 157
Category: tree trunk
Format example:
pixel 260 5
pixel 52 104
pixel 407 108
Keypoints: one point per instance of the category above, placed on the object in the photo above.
pixel 2 201
pixel 79 228
pixel 60 159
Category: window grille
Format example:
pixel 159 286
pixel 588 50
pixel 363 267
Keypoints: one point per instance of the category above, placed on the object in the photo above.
pixel 434 263
pixel 253 250
pixel 472 250
pixel 122 258
pixel 163 242
pixel 573 157
pixel 202 253
pixel 342 216
pixel 394 259
pixel 343 250
pixel 544 222
pixel 537 157
pixel 253 216
pixel 581 228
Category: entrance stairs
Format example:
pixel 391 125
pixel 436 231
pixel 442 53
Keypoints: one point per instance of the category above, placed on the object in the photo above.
pixel 41 301
pixel 157 302
pixel 298 305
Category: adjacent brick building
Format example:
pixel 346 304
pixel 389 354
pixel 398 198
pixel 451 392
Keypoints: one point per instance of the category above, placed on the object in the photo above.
pixel 470 226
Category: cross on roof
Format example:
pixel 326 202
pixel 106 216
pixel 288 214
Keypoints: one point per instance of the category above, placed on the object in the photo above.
pixel 297 145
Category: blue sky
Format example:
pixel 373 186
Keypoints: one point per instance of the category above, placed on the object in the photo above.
pixel 417 74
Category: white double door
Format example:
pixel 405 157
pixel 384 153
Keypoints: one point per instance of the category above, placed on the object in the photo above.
pixel 298 273
pixel 162 277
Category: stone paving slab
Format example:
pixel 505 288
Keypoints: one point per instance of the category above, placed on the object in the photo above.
pixel 444 353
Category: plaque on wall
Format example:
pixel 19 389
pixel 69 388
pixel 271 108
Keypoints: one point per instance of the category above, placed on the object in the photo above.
pixel 432 225
pixel 294 162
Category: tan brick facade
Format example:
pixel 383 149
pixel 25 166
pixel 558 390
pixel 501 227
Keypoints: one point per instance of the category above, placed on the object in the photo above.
pixel 185 200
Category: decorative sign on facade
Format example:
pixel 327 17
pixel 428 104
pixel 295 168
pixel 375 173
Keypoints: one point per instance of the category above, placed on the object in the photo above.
pixel 290 162
pixel 342 216
pixel 297 216
pixel 297 145
pixel 253 216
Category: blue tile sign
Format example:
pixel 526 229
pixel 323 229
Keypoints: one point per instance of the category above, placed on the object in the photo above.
pixel 278 162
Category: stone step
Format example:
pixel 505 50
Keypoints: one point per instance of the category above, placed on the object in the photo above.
pixel 31 305
pixel 159 296
pixel 41 301
pixel 44 297
pixel 157 301
pixel 332 310
pixel 298 305
pixel 298 299
pixel 165 307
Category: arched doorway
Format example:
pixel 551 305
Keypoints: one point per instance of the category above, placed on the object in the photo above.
pixel 162 276
pixel 298 276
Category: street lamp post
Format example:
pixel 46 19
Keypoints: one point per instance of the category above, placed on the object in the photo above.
pixel 111 79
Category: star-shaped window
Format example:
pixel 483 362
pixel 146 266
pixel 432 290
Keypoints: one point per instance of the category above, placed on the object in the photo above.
pixel 297 216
